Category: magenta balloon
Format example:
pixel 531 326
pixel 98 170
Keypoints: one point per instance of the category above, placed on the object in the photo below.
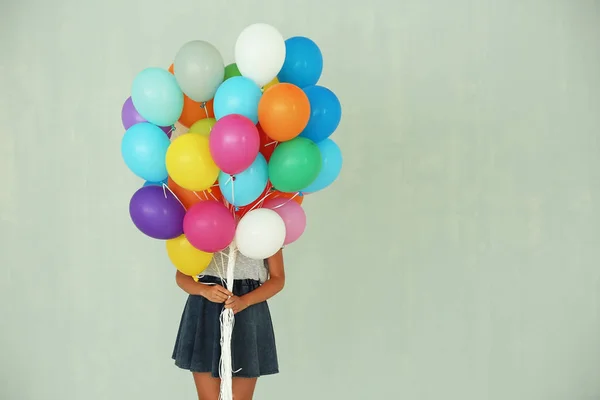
pixel 293 216
pixel 130 117
pixel 209 226
pixel 234 143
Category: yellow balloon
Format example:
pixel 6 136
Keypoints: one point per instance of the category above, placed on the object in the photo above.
pixel 190 164
pixel 203 126
pixel 186 258
pixel 274 82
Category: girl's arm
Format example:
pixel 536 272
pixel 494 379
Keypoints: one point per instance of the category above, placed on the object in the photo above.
pixel 270 288
pixel 214 293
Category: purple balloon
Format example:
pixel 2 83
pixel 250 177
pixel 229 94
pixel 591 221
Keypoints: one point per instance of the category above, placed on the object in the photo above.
pixel 157 213
pixel 130 117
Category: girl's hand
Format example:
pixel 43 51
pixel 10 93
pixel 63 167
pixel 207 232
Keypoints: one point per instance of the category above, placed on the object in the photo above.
pixel 236 304
pixel 215 293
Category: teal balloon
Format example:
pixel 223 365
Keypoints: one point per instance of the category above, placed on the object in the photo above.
pixel 163 182
pixel 237 95
pixel 157 97
pixel 144 148
pixel 331 158
pixel 247 186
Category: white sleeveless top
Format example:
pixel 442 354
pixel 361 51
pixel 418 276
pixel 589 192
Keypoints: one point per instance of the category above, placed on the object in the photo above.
pixel 245 268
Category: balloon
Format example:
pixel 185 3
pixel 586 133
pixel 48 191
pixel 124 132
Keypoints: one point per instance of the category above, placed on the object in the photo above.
pixel 157 213
pixel 188 197
pixel 130 117
pixel 157 97
pixel 189 162
pixel 231 70
pixel 260 53
pixel 203 127
pixel 209 226
pixel 267 145
pixel 331 157
pixel 186 258
pixel 325 113
pixel 148 183
pixel 143 148
pixel 199 70
pixel 234 143
pixel 238 95
pixel 241 211
pixel 296 196
pixel 292 214
pixel 260 234
pixel 245 187
pixel 192 110
pixel 303 63
pixel 294 165
pixel 274 82
pixel 283 111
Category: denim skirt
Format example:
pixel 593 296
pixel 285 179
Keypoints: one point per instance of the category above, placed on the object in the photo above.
pixel 198 343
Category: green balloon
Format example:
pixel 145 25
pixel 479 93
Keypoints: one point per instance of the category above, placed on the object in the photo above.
pixel 231 70
pixel 294 165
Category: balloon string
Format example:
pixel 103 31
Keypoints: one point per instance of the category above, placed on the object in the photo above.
pixel 288 200
pixel 260 202
pixel 203 105
pixel 165 188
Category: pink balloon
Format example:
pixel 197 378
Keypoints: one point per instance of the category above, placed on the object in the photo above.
pixel 209 226
pixel 234 143
pixel 292 214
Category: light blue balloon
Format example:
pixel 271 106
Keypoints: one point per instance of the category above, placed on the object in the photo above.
pixel 247 186
pixel 148 183
pixel 157 97
pixel 331 155
pixel 325 113
pixel 144 148
pixel 237 95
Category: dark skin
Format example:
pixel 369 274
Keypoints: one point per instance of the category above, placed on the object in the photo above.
pixel 243 388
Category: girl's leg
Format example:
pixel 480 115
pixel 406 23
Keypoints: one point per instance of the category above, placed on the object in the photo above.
pixel 207 386
pixel 243 388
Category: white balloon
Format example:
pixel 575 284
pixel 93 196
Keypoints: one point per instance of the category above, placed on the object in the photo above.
pixel 260 53
pixel 260 234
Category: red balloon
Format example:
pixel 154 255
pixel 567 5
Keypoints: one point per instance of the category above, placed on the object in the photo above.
pixel 267 145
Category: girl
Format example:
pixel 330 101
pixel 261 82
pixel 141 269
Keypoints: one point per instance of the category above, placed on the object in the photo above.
pixel 254 354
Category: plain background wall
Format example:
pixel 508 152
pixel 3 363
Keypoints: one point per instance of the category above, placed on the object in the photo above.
pixel 457 256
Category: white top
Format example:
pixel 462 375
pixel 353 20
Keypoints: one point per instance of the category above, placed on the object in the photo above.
pixel 245 268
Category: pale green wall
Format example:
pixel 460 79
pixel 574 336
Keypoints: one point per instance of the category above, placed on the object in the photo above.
pixel 456 258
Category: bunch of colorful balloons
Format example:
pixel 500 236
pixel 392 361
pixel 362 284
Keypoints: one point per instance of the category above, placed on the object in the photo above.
pixel 257 142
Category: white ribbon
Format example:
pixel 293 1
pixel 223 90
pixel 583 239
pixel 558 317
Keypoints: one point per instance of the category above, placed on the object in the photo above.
pixel 227 323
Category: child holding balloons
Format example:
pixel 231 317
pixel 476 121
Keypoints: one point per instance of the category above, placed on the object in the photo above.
pixel 253 346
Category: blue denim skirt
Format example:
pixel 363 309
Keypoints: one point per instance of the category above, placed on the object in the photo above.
pixel 198 343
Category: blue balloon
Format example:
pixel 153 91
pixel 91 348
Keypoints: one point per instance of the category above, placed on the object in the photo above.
pixel 148 183
pixel 247 186
pixel 157 97
pixel 303 63
pixel 325 113
pixel 331 157
pixel 144 148
pixel 237 95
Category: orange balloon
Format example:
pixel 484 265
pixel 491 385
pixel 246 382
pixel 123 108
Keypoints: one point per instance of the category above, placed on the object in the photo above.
pixel 188 197
pixel 283 111
pixel 194 111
